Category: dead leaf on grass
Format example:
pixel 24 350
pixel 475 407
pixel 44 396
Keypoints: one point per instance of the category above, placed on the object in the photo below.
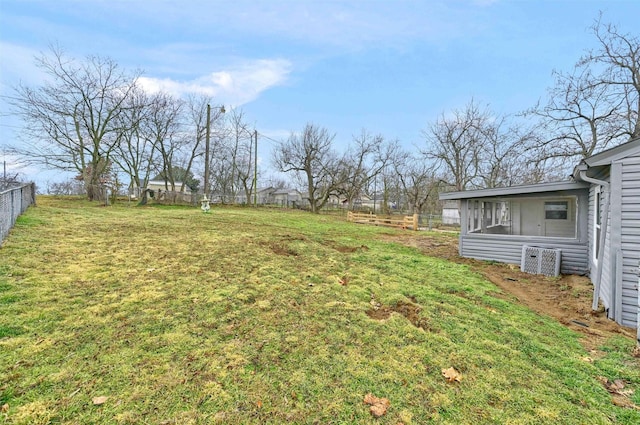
pixel 619 396
pixel 4 408
pixel 97 401
pixel 621 401
pixel 613 387
pixel 452 375
pixel 378 405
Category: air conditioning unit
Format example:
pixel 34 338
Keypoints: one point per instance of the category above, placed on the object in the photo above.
pixel 544 261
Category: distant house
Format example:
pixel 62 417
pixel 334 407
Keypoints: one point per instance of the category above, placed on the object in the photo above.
pixel 451 212
pixel 371 202
pixel 160 185
pixel 162 192
pixel 290 198
pixel 263 196
pixel 593 220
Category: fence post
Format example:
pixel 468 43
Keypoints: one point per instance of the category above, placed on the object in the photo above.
pixel 415 222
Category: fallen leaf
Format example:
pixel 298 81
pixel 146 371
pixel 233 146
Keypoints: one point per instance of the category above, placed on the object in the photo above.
pixel 378 410
pixel 618 384
pixel 97 401
pixel 369 399
pixel 343 280
pixel 621 401
pixel 259 403
pixel 378 405
pixel 452 375
pixel 615 387
pixel 587 359
pixel 4 408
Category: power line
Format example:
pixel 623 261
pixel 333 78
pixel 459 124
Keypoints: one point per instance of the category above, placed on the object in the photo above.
pixel 269 138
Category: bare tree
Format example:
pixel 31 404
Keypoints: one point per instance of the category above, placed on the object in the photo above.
pixel 596 106
pixel 71 121
pixel 619 53
pixel 134 152
pixel 418 181
pixel 580 118
pixel 236 162
pixel 456 142
pixel 386 184
pixel 363 161
pixel 197 127
pixel 242 152
pixel 164 129
pixel 311 157
pixel 505 158
pixel 67 187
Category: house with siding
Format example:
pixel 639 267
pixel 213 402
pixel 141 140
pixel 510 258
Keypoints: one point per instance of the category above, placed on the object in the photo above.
pixel 287 197
pixel 161 185
pixel 591 222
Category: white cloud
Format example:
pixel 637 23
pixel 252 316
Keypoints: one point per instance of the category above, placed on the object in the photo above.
pixel 235 86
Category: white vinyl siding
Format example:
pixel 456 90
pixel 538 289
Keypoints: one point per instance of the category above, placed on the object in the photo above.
pixel 630 238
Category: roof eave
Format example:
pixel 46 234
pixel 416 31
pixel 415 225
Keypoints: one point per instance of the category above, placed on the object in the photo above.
pixel 515 190
pixel 613 154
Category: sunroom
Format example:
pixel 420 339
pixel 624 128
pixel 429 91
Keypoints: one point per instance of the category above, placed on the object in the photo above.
pixel 497 223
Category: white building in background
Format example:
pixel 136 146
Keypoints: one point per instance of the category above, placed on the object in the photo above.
pixel 161 185
pixel 451 212
pixel 290 198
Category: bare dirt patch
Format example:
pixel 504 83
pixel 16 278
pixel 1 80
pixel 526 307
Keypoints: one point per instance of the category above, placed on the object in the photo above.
pixel 566 298
pixel 410 310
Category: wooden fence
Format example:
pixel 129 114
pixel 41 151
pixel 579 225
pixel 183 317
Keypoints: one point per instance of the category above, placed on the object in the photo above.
pixel 398 221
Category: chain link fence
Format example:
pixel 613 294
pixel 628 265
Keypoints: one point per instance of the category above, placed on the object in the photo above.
pixel 13 202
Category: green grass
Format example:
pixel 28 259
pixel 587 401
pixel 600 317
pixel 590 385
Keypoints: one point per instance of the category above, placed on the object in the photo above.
pixel 239 317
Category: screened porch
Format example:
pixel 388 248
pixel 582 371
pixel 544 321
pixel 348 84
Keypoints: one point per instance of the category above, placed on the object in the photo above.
pixel 540 216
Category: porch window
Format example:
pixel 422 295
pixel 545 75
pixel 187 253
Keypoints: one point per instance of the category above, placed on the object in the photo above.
pixel 543 216
pixel 556 210
pixel 489 217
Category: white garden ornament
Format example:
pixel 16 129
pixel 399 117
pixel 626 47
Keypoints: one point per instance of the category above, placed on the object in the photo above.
pixel 205 204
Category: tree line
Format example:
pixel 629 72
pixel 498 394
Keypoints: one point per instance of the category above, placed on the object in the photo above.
pixel 94 118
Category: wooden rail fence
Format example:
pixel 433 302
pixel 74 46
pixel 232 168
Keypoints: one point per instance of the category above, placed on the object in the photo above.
pixel 400 222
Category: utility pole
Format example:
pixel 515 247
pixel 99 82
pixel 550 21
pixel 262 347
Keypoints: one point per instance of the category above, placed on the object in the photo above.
pixel 206 152
pixel 255 171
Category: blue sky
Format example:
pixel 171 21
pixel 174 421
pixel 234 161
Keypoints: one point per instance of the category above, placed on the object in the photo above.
pixel 390 67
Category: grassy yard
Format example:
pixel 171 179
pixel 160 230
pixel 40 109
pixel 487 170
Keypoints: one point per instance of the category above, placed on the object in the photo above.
pixel 166 315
